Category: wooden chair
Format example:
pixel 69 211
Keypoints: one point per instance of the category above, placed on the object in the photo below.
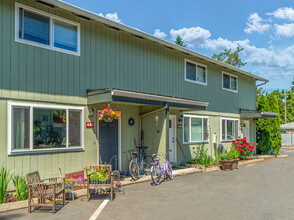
pixel 100 186
pixel 42 190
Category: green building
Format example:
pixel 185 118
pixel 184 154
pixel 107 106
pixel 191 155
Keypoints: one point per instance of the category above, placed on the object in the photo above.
pixel 60 65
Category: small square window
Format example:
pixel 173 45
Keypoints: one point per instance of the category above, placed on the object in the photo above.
pixel 230 82
pixel 195 72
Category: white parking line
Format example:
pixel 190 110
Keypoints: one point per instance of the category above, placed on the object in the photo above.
pixel 99 210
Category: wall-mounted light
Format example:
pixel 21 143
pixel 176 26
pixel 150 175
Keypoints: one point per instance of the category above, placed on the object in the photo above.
pixel 156 120
pixel 181 118
pixel 91 113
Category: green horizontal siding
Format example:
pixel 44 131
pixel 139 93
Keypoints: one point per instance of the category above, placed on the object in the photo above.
pixel 109 59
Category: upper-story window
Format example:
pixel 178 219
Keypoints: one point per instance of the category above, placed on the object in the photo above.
pixel 41 29
pixel 195 72
pixel 230 82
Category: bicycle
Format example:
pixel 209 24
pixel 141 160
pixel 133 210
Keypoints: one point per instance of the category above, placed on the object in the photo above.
pixel 157 170
pixel 140 163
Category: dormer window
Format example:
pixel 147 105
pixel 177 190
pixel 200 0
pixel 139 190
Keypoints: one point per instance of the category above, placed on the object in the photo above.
pixel 195 72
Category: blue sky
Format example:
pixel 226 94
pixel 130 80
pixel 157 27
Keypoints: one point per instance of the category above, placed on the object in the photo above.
pixel 264 28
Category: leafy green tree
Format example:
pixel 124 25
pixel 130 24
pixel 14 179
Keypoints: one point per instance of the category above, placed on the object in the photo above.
pixel 268 129
pixel 262 128
pixel 230 57
pixel 292 87
pixel 259 92
pixel 179 41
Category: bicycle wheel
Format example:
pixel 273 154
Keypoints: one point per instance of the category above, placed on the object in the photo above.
pixel 146 164
pixel 155 175
pixel 134 169
pixel 169 171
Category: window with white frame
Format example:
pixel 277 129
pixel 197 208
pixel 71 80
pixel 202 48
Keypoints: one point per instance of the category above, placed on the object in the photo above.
pixel 38 127
pixel 195 72
pixel 229 129
pixel 195 129
pixel 230 82
pixel 38 28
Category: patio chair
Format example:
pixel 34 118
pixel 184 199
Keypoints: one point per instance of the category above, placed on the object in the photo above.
pixel 103 187
pixel 42 190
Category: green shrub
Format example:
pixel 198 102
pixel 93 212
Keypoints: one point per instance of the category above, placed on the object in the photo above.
pixel 21 187
pixel 226 156
pixel 217 155
pixel 202 157
pixel 5 178
pixel 235 153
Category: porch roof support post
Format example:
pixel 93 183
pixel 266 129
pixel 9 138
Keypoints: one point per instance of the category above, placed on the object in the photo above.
pixel 167 128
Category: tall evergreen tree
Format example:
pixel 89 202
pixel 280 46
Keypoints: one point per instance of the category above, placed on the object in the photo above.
pixel 179 41
pixel 268 129
pixel 230 57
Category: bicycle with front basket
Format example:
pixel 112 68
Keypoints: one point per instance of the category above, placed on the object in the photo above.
pixel 140 164
pixel 157 171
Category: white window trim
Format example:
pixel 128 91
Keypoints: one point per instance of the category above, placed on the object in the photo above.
pixel 197 64
pixel 50 47
pixel 221 128
pixel 31 150
pixel 230 90
pixel 194 142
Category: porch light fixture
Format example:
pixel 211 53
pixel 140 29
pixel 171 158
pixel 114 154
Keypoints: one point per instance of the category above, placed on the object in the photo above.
pixel 156 120
pixel 91 113
pixel 181 118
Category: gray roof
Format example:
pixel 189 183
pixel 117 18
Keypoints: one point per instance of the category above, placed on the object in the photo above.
pixel 287 126
pixel 79 11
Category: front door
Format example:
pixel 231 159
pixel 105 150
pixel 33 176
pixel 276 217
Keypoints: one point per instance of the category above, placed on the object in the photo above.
pixel 108 140
pixel 172 138
pixel 245 129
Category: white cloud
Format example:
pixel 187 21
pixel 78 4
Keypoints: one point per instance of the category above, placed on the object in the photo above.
pixel 193 36
pixel 283 13
pixel 111 16
pixel 286 30
pixel 255 24
pixel 159 34
pixel 279 61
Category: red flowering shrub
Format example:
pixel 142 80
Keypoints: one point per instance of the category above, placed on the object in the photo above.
pixel 243 147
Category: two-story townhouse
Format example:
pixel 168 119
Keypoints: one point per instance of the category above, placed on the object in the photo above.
pixel 60 65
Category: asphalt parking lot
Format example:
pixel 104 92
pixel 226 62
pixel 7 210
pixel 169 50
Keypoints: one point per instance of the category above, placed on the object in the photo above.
pixel 259 191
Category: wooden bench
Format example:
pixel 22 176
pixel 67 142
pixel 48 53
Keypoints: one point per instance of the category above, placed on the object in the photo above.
pixel 103 187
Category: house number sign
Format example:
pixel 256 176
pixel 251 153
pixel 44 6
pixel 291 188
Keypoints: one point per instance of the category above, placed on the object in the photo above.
pixel 89 124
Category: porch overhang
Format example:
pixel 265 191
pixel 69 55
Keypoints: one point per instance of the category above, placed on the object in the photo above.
pixel 244 113
pixel 116 95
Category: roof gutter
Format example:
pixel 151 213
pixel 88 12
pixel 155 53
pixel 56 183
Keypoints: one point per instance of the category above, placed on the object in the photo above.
pixel 141 34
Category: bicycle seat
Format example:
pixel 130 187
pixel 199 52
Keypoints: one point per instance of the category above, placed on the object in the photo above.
pixel 134 153
pixel 156 159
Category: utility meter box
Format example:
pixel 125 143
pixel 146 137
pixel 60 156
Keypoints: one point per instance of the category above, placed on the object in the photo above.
pixel 215 140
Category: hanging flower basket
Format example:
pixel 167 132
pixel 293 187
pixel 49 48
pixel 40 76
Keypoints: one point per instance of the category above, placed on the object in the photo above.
pixel 108 114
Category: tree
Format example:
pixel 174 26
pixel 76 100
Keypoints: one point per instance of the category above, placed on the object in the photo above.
pixel 268 129
pixel 292 87
pixel 179 41
pixel 262 131
pixel 230 57
pixel 259 92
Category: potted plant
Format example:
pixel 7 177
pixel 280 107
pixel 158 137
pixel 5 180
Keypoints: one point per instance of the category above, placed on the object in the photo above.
pixel 108 114
pixel 244 148
pixel 118 184
pixel 226 161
